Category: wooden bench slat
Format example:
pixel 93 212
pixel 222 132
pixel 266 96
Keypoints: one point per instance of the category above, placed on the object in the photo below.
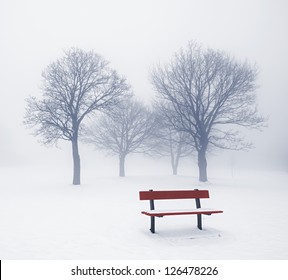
pixel 159 213
pixel 182 194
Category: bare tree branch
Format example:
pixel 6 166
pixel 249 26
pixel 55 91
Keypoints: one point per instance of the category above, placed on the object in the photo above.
pixel 74 86
pixel 123 130
pixel 203 92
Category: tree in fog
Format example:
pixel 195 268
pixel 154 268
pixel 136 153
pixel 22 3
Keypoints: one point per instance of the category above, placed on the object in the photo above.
pixel 74 87
pixel 123 130
pixel 174 144
pixel 169 142
pixel 207 94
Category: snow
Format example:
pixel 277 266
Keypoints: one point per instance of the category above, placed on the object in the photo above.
pixel 44 217
pixel 179 211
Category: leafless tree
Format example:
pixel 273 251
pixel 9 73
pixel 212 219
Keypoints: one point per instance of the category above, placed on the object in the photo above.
pixel 123 130
pixel 169 142
pixel 73 87
pixel 207 94
pixel 175 145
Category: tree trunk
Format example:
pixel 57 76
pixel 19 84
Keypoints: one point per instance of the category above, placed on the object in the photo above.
pixel 174 166
pixel 175 156
pixel 202 164
pixel 175 169
pixel 175 163
pixel 76 162
pixel 122 165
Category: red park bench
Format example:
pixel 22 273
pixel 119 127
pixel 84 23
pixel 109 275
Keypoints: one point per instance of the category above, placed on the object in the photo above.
pixel 176 194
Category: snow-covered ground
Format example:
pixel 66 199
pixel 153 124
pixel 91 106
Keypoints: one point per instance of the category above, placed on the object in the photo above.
pixel 42 216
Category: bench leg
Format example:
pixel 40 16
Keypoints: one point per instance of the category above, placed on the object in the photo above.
pixel 199 221
pixel 152 229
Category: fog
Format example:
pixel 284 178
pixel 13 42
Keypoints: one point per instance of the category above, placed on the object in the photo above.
pixel 134 36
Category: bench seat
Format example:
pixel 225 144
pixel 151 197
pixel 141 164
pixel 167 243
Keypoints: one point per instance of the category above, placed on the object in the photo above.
pixel 161 213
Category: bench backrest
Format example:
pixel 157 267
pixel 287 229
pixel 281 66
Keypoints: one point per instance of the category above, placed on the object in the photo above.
pixel 182 194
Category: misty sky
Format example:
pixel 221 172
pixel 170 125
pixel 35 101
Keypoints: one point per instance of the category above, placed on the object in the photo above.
pixel 134 35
